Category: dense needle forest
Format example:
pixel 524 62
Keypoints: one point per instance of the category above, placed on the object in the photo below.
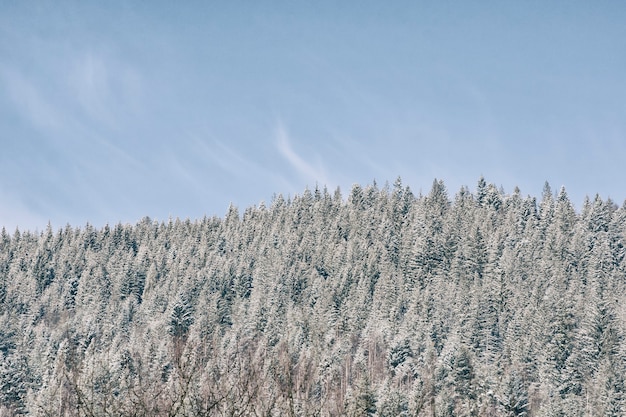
pixel 381 302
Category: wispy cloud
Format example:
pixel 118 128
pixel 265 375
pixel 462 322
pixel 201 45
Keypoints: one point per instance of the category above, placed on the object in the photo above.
pixel 106 90
pixel 90 81
pixel 237 164
pixel 228 159
pixel 28 100
pixel 307 170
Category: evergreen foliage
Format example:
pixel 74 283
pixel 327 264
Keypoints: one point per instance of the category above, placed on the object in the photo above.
pixel 386 303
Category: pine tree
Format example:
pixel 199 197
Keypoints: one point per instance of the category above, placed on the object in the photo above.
pixel 363 401
pixel 181 318
pixel 15 375
pixel 514 400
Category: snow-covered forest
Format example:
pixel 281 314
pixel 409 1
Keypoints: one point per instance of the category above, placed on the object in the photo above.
pixel 380 302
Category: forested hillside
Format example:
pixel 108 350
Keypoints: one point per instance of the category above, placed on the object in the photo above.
pixel 380 302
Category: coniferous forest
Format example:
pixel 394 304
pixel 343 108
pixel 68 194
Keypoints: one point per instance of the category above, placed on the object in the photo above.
pixel 380 302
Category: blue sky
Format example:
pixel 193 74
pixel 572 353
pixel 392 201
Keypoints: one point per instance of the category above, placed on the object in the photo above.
pixel 112 111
